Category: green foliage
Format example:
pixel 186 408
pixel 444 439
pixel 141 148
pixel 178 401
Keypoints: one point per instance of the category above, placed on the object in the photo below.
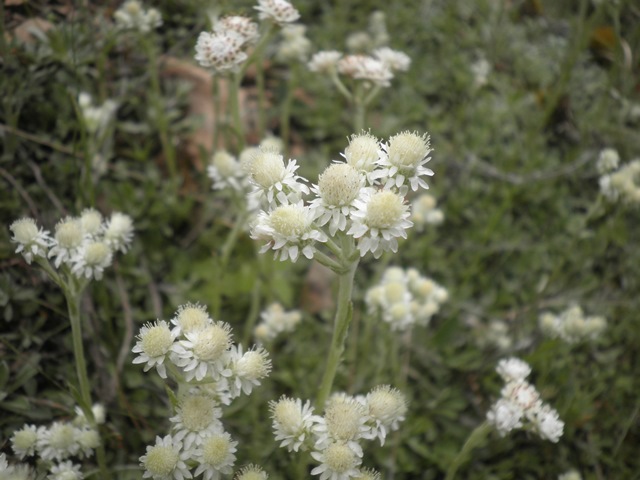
pixel 525 230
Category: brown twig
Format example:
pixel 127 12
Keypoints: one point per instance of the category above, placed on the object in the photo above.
pixel 35 139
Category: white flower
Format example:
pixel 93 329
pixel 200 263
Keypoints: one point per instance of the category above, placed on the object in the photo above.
pixel 244 26
pixel 4 465
pixel 88 440
pixel 154 343
pixel 99 415
pixel 197 417
pixel 247 369
pixel 572 325
pixel 276 320
pixel 403 160
pixel 386 407
pixel 608 161
pixel 337 462
pixel 363 153
pixel 480 70
pixel 369 474
pixel 204 353
pixel 570 475
pixel 625 183
pixel 225 171
pixel 165 461
pixel 324 61
pixel 91 260
pixel 338 187
pixel 513 369
pixel 522 394
pixel 273 180
pixel 191 317
pixel 96 119
pixel 295 46
pixel 363 67
pixel 393 59
pixel 344 421
pixel 547 424
pixel 292 422
pixel 216 456
pixel 278 11
pixel 32 241
pixel 381 217
pixel 58 442
pixel 221 51
pixel 251 472
pixel 67 241
pixel 505 416
pixel 289 230
pixel 118 232
pixel 424 211
pixel 91 222
pixel 65 471
pixel 131 15
pixel 23 441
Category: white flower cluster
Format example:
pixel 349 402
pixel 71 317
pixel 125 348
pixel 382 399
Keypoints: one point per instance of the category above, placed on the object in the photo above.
pixel 200 351
pixel 224 49
pixel 83 245
pixel 619 183
pixel 424 212
pixel 377 69
pixel 274 321
pixel 570 475
pixel 96 118
pixel 520 405
pixel 56 445
pixel 405 298
pixel 132 16
pixel 295 46
pixel 375 36
pixel 362 197
pixel 572 326
pixel 493 334
pixel 334 438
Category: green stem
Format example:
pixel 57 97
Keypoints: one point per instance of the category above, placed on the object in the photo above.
pixel 72 295
pixel 215 91
pixel 262 118
pixel 340 332
pixel 160 118
pixel 359 118
pixel 475 439
pixel 254 311
pixel 234 105
pixel 285 113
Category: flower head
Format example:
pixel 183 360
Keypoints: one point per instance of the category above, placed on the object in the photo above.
pixel 91 222
pixel 295 46
pixel 393 59
pixel 289 230
pixel 204 352
pixel 276 320
pixel 273 180
pixel 292 422
pixel 155 341
pixel 191 317
pixel 277 11
pixel 513 369
pixel 381 217
pixel 225 171
pixel 91 259
pixel 344 421
pixel 386 407
pixel 24 441
pixel 65 471
pixel 324 61
pixel 251 472
pixel 403 161
pixel 243 26
pixel 164 460
pixel 132 15
pixel 364 67
pixel 197 417
pixel 118 232
pixel 216 456
pixel 608 161
pixel 58 442
pixel 32 241
pixel 222 51
pixel 248 369
pixel 337 462
pixel 67 240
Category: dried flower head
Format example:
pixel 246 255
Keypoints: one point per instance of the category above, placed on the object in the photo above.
pixel 277 11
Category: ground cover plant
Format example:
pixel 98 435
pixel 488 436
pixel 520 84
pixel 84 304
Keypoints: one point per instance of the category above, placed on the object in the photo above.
pixel 334 240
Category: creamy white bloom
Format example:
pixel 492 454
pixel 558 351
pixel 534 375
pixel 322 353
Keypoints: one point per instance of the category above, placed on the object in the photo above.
pixel 67 241
pixel 381 217
pixel 222 51
pixel 344 421
pixel 424 211
pixel 403 161
pixel 99 415
pixel 89 440
pixel 272 180
pixel 570 475
pixel 289 230
pixel 363 153
pixel 572 325
pixel 251 472
pixel 197 417
pixel 91 222
pixel 276 320
pixel 225 172
pixel 324 61
pixel 364 67
pixel 385 407
pixel 118 232
pixel 204 353
pixel 338 188
pixel 513 369
pixel 547 424
pixel 624 183
pixel 292 422
pixel 393 59
pixel 337 462
pixel 505 416
pixel 191 317
pixel 65 471
pixel 91 259
pixel 608 161
pixel 295 46
pixel 155 341
pixel 96 119
pixel 24 441
pixel 243 26
pixel 165 460
pixel 277 11
pixel 132 15
pixel 32 241
pixel 216 456
pixel 58 442
pixel 247 369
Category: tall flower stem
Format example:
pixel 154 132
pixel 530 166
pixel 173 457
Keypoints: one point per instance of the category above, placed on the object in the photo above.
pixel 285 112
pixel 341 323
pixel 475 439
pixel 72 295
pixel 234 106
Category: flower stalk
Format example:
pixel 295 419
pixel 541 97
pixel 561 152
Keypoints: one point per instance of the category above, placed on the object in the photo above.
pixel 475 439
